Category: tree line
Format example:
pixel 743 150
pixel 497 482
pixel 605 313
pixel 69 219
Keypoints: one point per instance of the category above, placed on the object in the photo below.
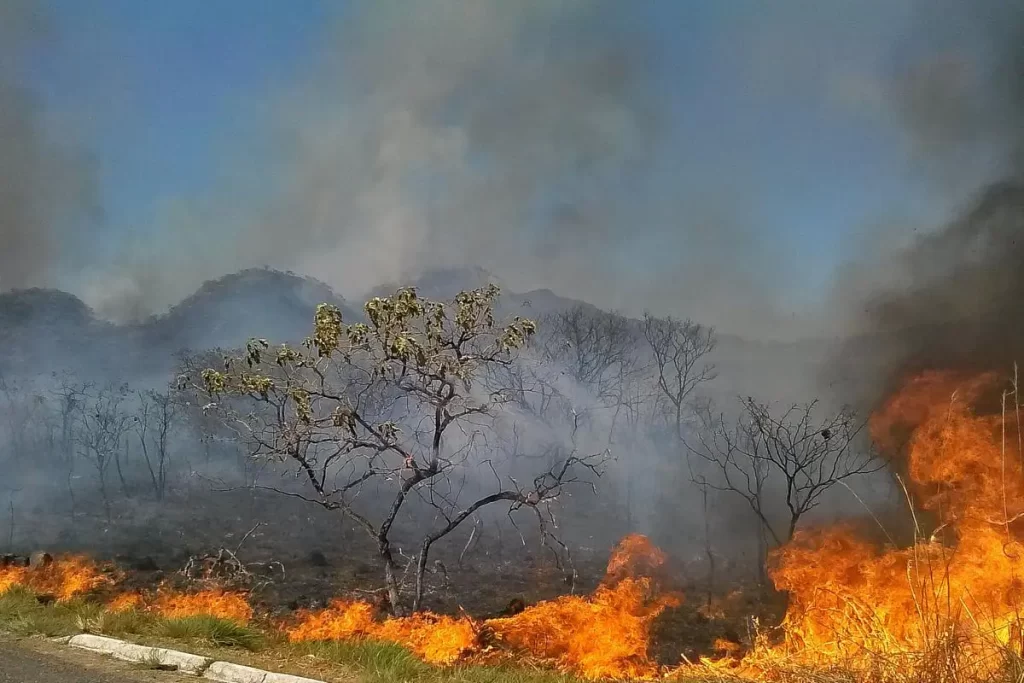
pixel 427 413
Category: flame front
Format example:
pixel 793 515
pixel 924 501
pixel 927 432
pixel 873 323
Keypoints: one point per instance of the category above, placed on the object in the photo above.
pixel 126 602
pixel 215 603
pixel 603 635
pixel 64 578
pixel 957 589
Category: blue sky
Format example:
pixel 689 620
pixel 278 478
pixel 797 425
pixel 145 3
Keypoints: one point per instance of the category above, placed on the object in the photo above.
pixel 750 97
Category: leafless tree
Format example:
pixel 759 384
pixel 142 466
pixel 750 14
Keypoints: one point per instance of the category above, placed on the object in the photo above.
pixel 69 396
pixel 155 419
pixel 102 426
pixel 680 349
pixel 794 455
pixel 596 348
pixel 392 404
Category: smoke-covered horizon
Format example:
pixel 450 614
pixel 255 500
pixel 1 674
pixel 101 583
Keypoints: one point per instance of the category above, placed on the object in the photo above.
pixel 557 145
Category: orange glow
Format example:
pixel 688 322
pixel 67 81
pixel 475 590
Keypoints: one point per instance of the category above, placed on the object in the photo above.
pixel 11 577
pixel 437 639
pixel 853 603
pixel 214 603
pixel 603 635
pixel 64 578
pixel 126 602
pixel 342 620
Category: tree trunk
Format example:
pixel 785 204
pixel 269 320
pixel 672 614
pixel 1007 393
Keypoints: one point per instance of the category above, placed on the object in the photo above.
pixel 120 474
pixel 390 577
pixel 792 527
pixel 103 494
pixel 707 546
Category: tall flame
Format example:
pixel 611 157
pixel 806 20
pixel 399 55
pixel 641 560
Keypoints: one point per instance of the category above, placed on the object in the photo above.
pixel 852 602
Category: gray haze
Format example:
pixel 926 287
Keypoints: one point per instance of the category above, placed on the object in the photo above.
pixel 532 139
pixel 46 184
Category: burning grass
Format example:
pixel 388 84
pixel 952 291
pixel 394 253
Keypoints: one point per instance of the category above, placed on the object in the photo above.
pixel 948 606
pixel 214 630
pixel 220 604
pixel 605 635
pixel 63 578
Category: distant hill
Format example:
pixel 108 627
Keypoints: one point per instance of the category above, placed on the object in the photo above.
pixel 43 331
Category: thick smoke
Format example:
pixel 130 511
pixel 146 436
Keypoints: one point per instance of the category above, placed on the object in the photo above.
pixel 953 298
pixel 45 184
pixel 427 135
pixel 528 138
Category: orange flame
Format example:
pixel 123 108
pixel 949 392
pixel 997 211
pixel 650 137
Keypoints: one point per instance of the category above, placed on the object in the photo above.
pixel 126 602
pixel 852 602
pixel 436 638
pixel 604 635
pixel 601 636
pixel 64 578
pixel 215 603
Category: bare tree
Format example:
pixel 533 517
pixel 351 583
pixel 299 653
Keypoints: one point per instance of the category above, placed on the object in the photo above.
pixel 70 398
pixel 392 403
pixel 680 349
pixel 154 420
pixel 596 348
pixel 102 427
pixel 795 455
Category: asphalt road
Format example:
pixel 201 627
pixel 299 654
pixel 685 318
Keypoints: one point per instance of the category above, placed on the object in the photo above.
pixel 39 661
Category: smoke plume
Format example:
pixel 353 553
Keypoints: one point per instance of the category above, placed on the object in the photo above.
pixel 45 183
pixel 953 299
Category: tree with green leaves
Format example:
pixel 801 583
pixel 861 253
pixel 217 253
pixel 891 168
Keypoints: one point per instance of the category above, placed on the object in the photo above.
pixel 393 406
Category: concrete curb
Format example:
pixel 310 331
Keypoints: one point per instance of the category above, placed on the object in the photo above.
pixel 130 652
pixel 183 662
pixel 225 672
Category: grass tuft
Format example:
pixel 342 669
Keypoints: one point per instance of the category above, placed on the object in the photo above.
pixel 380 662
pixel 123 622
pixel 219 632
pixel 375 660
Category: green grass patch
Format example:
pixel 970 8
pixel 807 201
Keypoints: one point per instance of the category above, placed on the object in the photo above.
pixel 219 632
pixel 125 622
pixel 22 613
pixel 380 662
pixel 372 660
pixel 356 661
